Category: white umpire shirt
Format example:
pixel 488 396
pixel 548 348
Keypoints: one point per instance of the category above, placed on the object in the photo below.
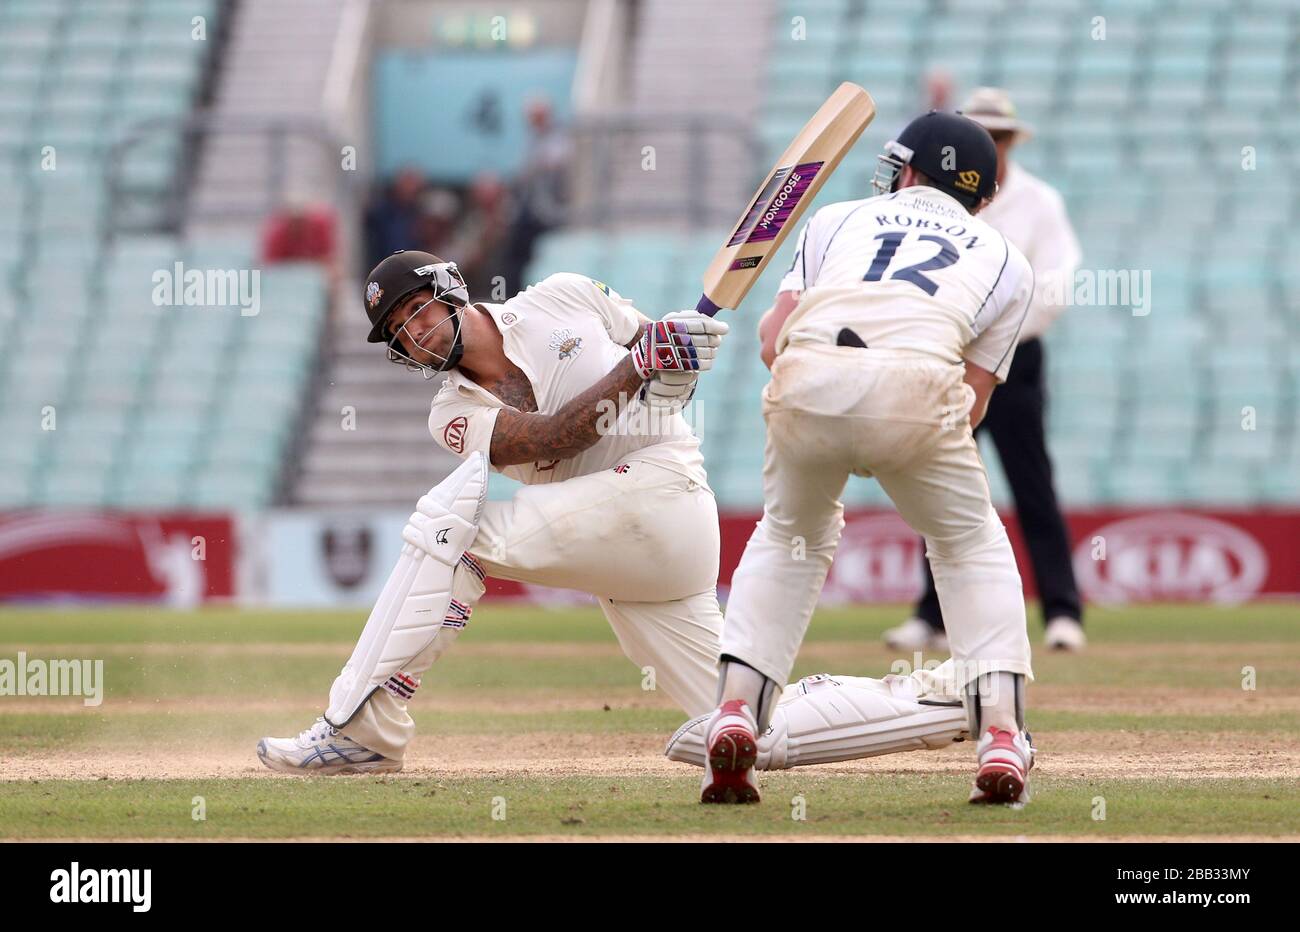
pixel 565 333
pixel 910 271
pixel 1031 213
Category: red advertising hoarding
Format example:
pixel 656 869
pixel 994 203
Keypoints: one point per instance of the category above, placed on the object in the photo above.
pixel 174 558
pixel 1120 555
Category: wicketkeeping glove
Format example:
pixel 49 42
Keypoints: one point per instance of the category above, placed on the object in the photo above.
pixel 684 341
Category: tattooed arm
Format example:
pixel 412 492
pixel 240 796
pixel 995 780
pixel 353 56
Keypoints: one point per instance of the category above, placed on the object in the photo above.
pixel 520 437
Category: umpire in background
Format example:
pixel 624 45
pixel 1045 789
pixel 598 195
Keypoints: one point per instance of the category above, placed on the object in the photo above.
pixel 1031 214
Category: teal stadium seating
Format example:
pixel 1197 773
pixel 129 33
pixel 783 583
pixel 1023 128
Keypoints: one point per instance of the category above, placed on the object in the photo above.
pixel 1143 133
pixel 109 399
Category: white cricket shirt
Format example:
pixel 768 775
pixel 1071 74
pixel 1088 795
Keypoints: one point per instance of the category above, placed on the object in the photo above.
pixel 909 271
pixel 565 333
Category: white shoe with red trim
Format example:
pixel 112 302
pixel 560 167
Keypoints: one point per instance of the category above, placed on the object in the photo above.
pixel 732 751
pixel 1005 759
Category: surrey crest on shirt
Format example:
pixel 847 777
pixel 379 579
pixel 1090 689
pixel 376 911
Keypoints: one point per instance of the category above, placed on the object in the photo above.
pixel 566 343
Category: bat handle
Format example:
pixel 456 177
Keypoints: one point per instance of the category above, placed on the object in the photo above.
pixel 707 307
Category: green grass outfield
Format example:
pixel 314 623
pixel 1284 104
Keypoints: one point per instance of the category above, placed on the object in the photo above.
pixel 535 725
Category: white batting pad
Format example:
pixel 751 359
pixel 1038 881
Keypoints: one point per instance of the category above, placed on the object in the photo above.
pixel 823 719
pixel 417 597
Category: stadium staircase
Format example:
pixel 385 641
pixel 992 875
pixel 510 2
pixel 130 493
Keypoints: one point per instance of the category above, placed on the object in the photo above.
pixel 369 441
pixel 277 64
pixel 680 68
pixel 362 435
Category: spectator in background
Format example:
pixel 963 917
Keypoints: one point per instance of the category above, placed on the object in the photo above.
pixel 1031 214
pixel 541 190
pixel 299 233
pixel 438 217
pixel 938 90
pixel 482 238
pixel 393 220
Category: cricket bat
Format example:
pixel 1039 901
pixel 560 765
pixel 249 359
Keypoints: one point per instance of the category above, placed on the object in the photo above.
pixel 788 188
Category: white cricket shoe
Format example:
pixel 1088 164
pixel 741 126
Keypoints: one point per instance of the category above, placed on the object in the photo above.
pixel 916 634
pixel 1065 633
pixel 322 750
pixel 1005 759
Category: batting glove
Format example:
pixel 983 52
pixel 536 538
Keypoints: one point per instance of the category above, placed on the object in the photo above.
pixel 670 391
pixel 684 341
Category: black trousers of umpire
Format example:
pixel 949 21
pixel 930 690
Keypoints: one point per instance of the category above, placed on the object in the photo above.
pixel 1015 421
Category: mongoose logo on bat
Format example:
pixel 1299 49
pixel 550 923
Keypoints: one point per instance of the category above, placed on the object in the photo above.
pixel 775 204
pixel 785 192
pixel 454 434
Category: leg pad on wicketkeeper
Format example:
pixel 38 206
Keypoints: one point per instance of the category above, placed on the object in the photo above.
pixel 823 719
pixel 418 599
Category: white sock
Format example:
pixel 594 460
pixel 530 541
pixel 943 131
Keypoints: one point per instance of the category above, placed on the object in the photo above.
pixel 997 698
pixel 742 682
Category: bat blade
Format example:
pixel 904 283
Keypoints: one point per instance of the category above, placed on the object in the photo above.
pixel 788 189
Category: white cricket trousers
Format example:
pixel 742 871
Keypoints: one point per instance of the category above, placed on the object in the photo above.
pixel 643 541
pixel 903 418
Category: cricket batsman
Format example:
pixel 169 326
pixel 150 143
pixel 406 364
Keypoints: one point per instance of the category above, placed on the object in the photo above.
pixel 569 389
pixel 899 315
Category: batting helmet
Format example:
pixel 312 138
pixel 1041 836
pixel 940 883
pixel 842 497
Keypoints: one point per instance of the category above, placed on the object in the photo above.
pixel 954 152
pixel 396 278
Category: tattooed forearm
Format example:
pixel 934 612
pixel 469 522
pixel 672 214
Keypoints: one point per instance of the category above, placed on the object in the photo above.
pixel 520 437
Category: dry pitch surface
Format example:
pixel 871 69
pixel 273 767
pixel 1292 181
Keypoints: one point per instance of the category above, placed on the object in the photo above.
pixel 535 726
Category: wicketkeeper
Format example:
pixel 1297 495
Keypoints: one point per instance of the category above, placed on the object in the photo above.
pixel 896 320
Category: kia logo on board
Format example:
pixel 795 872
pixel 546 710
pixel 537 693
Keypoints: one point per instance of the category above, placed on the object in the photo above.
pixel 1171 557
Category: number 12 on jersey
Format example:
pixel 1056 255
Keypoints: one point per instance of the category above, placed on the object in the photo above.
pixel 889 243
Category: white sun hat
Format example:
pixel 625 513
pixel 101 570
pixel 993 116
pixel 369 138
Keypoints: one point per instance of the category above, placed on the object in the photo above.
pixel 991 108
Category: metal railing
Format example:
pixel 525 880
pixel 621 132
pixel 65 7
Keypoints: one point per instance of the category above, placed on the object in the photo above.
pixel 611 186
pixel 171 206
